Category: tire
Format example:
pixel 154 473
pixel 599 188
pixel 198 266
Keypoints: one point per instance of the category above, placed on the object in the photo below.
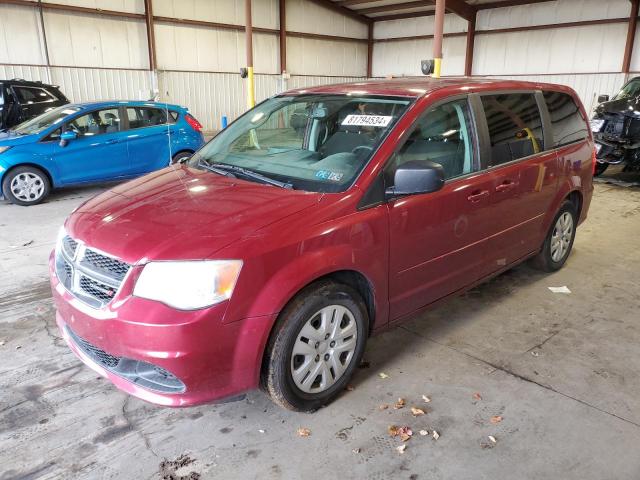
pixel 180 156
pixel 600 168
pixel 550 259
pixel 26 186
pixel 290 363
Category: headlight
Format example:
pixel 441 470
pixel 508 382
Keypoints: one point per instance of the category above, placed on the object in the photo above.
pixel 4 149
pixel 188 285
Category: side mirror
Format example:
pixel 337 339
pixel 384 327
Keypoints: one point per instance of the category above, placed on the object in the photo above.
pixel 66 137
pixel 603 98
pixel 417 176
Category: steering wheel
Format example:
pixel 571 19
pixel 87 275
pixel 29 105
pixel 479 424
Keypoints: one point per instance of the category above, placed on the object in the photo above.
pixel 362 147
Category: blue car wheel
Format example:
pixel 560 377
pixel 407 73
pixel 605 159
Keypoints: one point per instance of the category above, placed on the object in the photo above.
pixel 26 186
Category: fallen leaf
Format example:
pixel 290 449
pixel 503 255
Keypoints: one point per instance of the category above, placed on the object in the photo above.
pixel 424 433
pixel 436 435
pixel 399 404
pixel 492 439
pixel 496 419
pixel 392 430
pixel 383 375
pixel 405 433
pixel 384 406
pixel 477 396
pixel 416 412
pixel 426 399
pixel 356 450
pixel 304 432
pixel 401 448
pixel 350 388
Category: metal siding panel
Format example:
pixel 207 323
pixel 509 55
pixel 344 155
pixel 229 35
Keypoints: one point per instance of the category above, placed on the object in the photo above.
pixel 305 16
pixel 20 31
pixel 309 56
pixel 89 84
pixel 265 12
pixel 131 6
pixel 409 27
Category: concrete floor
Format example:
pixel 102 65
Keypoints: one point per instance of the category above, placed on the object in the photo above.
pixel 561 370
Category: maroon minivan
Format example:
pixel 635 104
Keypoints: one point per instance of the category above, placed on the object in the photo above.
pixel 316 219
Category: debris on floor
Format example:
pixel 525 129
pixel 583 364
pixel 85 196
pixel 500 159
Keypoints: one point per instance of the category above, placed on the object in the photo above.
pixel 304 432
pixel 426 399
pixel 435 435
pixel 424 433
pixel 384 406
pixel 399 404
pixel 416 412
pixel 477 396
pixel 401 448
pixel 496 419
pixel 383 375
pixel 563 289
pixel 169 469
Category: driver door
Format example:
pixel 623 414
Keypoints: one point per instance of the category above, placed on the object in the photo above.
pixel 98 153
pixel 438 240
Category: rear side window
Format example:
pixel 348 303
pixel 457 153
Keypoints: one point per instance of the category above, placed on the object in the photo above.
pixel 33 95
pixel 141 117
pixel 515 126
pixel 566 119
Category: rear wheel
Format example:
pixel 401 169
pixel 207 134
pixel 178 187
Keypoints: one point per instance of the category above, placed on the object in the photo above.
pixel 559 241
pixel 178 157
pixel 26 186
pixel 317 343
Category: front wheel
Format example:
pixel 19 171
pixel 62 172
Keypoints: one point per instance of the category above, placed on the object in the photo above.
pixel 26 186
pixel 317 343
pixel 559 240
pixel 179 157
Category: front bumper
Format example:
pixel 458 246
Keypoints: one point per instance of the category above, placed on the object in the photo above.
pixel 212 360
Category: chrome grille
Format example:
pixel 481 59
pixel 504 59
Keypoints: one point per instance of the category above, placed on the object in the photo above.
pixel 92 277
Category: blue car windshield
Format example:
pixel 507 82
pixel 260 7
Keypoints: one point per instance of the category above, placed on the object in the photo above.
pixel 44 121
pixel 312 142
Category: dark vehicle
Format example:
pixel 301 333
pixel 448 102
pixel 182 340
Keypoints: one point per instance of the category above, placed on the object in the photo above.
pixel 616 129
pixel 21 100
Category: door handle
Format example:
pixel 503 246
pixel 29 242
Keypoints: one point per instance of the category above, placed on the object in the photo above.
pixel 477 196
pixel 505 186
pixel 112 141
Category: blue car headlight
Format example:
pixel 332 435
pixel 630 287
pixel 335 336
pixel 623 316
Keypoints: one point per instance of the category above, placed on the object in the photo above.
pixel 4 149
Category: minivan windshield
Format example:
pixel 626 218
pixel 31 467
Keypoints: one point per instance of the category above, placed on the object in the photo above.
pixel 631 89
pixel 313 142
pixel 44 121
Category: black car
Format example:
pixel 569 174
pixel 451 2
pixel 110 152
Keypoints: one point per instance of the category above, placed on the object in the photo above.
pixel 21 100
pixel 616 129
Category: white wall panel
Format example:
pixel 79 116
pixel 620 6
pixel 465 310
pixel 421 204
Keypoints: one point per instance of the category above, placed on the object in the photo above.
pixel 185 47
pixel 559 11
pixel 34 73
pixel 309 56
pixel 84 40
pixel 595 48
pixel 402 57
pixel 635 56
pixel 264 12
pixel 305 16
pixel 131 6
pixel 417 26
pixel 20 35
pixel 89 84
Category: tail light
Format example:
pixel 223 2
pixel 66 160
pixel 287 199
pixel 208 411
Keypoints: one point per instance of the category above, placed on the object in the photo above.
pixel 197 126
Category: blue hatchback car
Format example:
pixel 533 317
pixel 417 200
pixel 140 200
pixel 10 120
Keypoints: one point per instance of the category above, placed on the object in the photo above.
pixel 93 142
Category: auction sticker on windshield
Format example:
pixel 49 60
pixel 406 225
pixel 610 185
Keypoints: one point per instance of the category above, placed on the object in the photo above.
pixel 367 120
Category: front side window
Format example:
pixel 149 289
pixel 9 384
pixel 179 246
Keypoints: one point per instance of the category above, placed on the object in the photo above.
pixel 515 126
pixel 566 119
pixel 141 117
pixel 314 142
pixel 95 123
pixel 442 135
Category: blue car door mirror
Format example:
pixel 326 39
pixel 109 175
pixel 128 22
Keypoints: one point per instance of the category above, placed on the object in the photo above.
pixel 65 137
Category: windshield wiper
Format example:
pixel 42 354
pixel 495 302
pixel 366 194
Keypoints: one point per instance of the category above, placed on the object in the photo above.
pixel 251 174
pixel 214 169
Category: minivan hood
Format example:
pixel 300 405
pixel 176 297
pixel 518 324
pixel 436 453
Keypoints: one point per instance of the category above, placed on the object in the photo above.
pixel 181 213
pixel 9 139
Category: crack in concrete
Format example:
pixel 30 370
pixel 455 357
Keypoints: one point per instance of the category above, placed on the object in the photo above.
pixel 506 370
pixel 541 344
pixel 130 424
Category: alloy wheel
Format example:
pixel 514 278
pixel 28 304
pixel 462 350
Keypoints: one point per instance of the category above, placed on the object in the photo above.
pixel 561 237
pixel 323 349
